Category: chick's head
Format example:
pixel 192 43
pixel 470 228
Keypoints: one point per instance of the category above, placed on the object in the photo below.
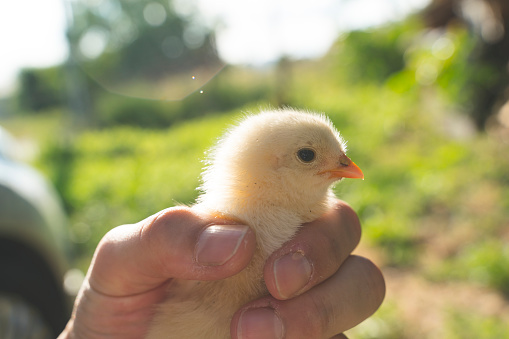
pixel 282 155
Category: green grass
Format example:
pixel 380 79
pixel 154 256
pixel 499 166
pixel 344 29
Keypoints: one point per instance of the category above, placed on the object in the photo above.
pixel 41 127
pixel 463 325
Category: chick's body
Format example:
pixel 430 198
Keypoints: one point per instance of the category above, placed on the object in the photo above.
pixel 272 172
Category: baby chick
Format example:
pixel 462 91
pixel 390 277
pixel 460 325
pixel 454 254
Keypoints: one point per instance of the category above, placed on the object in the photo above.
pixel 272 172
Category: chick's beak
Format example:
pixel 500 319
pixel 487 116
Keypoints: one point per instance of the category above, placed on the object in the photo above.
pixel 346 169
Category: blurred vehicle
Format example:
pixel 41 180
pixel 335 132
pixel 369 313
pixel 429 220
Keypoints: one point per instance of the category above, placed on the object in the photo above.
pixel 33 251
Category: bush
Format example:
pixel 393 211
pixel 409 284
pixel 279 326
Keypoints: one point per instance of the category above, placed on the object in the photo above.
pixel 41 89
pixel 372 56
pixel 223 93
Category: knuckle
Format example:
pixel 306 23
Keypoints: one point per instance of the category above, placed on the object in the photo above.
pixel 166 233
pixel 152 228
pixel 109 243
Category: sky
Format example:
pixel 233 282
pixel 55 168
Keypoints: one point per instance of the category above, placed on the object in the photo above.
pixel 32 32
pixel 259 31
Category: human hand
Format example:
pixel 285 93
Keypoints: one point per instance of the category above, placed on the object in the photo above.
pixel 334 293
pixel 133 265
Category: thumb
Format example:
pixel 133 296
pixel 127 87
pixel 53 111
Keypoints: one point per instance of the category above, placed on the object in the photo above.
pixel 177 242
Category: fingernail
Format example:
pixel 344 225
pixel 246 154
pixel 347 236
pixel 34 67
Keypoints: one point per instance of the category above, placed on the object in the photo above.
pixel 218 243
pixel 292 272
pixel 260 323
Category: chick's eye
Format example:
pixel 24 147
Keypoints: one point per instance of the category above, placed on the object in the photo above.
pixel 306 154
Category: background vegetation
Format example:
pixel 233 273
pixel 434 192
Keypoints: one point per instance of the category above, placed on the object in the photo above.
pixel 434 205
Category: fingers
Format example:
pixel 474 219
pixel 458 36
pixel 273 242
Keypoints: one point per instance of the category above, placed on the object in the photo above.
pixel 175 243
pixel 344 300
pixel 314 254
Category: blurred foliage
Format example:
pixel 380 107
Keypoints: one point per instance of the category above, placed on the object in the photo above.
pixel 485 261
pixel 148 49
pixel 126 41
pixel 122 175
pixel 386 325
pixel 232 89
pixel 220 94
pixel 41 89
pixel 373 55
pixel 402 143
pixel 487 73
pixel 463 325
pixel 435 201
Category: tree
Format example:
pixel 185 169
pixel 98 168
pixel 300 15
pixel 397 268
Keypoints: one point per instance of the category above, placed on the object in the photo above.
pixel 488 21
pixel 130 46
pixel 40 89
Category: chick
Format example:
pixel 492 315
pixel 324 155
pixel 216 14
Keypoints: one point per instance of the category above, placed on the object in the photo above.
pixel 272 172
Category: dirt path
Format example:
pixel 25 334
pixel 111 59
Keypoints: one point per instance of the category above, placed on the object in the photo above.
pixel 425 306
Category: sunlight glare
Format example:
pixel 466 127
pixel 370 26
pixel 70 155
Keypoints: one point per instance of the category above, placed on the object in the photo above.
pixel 154 14
pixel 93 42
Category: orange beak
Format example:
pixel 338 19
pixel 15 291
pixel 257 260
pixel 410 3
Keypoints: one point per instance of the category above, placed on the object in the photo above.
pixel 346 169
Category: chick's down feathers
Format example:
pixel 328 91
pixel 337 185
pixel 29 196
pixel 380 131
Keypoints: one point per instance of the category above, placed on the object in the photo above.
pixel 273 172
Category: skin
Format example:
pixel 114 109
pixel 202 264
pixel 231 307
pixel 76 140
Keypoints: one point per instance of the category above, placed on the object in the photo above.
pixel 133 265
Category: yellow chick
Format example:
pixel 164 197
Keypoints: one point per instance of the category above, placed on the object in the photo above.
pixel 273 172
